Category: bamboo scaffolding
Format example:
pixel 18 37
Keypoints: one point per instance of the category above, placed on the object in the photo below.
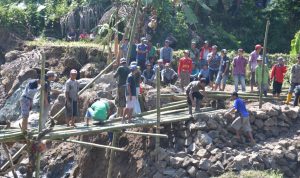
pixel 14 157
pixel 158 109
pixel 149 120
pixel 10 160
pixel 9 169
pixel 87 144
pixel 147 134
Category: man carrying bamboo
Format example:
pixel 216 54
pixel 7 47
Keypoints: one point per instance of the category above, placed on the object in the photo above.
pixel 194 96
pixel 71 94
pixel 243 121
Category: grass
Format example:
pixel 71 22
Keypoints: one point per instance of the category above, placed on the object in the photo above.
pixel 252 174
pixel 44 42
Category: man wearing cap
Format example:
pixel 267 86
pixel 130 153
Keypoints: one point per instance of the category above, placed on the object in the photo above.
pixel 253 63
pixel 194 96
pixel 205 50
pixel 121 74
pixel 194 54
pixel 50 76
pixel 223 71
pixel 239 64
pixel 295 79
pixel 131 95
pixel 213 65
pixel 141 51
pixel 71 95
pixel 262 79
pixel 168 75
pixel 277 75
pixel 148 75
pixel 242 121
pixel 166 53
pixel 185 69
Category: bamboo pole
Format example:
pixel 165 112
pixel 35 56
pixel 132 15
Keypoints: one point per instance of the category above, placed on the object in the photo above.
pixel 263 66
pixel 157 145
pixel 10 160
pixel 87 86
pixel 87 144
pixel 111 157
pixel 42 105
pixel 17 154
pixel 147 134
pixel 133 29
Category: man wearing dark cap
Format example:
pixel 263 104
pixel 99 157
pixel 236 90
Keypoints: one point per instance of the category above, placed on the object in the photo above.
pixel 166 53
pixel 121 73
pixel 242 121
pixel 194 96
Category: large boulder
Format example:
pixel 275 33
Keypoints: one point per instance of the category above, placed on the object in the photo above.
pixel 89 70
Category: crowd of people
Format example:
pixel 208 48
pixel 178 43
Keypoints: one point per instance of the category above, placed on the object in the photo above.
pixel 198 69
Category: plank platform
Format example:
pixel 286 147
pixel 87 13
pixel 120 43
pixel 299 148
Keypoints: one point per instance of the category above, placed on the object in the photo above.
pixel 63 132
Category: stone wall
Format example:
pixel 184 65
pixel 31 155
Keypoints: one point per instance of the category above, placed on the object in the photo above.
pixel 206 146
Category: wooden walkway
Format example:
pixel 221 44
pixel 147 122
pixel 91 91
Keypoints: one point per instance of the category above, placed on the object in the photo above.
pixel 63 132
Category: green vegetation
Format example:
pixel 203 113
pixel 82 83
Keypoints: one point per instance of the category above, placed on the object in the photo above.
pixel 295 44
pixel 253 174
pixel 230 24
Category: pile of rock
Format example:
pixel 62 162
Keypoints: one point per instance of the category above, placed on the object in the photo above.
pixel 207 147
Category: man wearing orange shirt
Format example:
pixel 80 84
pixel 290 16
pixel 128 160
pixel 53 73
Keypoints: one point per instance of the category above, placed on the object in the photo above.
pixel 185 69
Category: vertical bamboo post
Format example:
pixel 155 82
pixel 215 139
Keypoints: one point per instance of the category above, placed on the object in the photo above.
pixel 133 29
pixel 111 157
pixel 157 145
pixel 38 155
pixel 263 66
pixel 116 39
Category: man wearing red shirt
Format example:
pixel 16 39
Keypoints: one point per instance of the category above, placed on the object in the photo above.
pixel 185 69
pixel 277 75
pixel 204 51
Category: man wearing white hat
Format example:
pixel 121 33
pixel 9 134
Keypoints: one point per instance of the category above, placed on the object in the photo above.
pixel 71 94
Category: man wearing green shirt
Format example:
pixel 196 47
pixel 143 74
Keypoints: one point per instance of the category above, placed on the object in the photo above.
pixel 100 110
pixel 259 77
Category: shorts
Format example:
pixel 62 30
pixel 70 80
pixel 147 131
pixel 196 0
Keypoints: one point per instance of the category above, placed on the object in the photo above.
pixel 121 97
pixel 242 122
pixel 196 95
pixel 277 87
pixel 130 103
pixel 213 74
pixel 252 78
pixel 292 87
pixel 25 104
pixel 71 109
pixel 221 78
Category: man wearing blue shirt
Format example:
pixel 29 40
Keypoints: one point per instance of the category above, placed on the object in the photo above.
pixel 243 120
pixel 141 56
